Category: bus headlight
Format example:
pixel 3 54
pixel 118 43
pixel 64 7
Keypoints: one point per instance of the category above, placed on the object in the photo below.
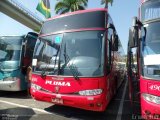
pixel 151 98
pixel 34 86
pixel 90 92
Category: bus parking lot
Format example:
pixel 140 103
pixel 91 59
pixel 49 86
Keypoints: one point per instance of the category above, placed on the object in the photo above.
pixel 75 61
pixel 17 106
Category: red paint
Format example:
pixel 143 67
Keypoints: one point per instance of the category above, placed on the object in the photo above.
pixel 146 85
pixel 66 89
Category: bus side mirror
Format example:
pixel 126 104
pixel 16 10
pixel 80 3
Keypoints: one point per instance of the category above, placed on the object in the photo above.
pixel 114 42
pixel 114 39
pixel 133 38
pixel 133 33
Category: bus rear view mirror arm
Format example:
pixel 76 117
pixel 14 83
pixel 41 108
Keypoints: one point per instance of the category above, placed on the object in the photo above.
pixel 109 25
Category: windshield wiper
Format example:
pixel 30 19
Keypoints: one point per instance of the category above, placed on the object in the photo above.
pixel 72 67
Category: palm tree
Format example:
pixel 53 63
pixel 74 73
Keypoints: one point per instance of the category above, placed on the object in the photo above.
pixel 106 2
pixel 64 6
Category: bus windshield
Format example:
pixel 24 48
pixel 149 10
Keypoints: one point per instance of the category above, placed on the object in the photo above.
pixel 152 41
pixel 10 48
pixel 150 10
pixel 81 52
pixel 151 51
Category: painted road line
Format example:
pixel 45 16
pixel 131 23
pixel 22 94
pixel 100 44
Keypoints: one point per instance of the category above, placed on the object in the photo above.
pixel 23 106
pixel 119 114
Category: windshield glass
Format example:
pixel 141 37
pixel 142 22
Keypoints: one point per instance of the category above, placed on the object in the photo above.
pixel 150 10
pixel 151 50
pixel 80 52
pixel 10 48
pixel 46 53
pixel 152 41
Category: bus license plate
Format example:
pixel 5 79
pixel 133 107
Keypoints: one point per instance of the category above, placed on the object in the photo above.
pixel 57 100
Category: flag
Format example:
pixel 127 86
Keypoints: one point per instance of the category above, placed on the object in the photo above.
pixel 44 8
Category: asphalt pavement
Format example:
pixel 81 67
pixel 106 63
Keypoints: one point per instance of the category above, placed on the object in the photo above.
pixel 18 106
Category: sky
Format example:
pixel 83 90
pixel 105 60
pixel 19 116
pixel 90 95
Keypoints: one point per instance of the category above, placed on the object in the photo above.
pixel 122 12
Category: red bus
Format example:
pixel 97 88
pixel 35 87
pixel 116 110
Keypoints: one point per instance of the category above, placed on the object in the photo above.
pixel 144 60
pixel 74 61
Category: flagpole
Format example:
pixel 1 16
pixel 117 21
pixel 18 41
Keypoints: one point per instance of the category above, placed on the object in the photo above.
pixel 106 5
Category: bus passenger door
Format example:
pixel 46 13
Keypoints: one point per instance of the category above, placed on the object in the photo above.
pixel 30 41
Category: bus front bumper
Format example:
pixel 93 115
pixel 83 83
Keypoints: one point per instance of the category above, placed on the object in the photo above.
pixel 93 103
pixel 149 110
pixel 10 85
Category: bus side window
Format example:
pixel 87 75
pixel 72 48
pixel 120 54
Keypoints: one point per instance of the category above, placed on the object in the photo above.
pixel 134 61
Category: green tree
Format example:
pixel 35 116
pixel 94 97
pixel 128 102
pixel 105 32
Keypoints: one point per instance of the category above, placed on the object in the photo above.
pixel 64 6
pixel 106 2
